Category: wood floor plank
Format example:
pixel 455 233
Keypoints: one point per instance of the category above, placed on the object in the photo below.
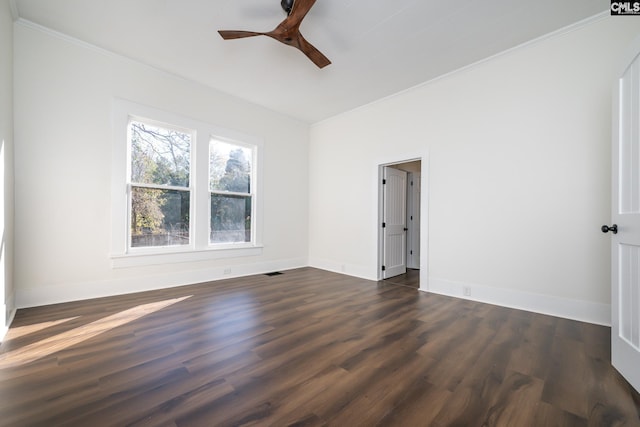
pixel 413 409
pixel 383 396
pixel 551 416
pixel 569 381
pixel 515 402
pixel 306 348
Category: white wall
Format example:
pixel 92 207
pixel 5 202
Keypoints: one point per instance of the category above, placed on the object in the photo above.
pixel 517 175
pixel 64 92
pixel 6 163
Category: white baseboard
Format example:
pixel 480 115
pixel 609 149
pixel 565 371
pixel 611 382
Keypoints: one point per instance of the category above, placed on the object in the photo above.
pixel 584 311
pixel 336 267
pixel 54 294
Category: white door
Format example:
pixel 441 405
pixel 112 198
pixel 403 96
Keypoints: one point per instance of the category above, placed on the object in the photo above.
pixel 625 249
pixel 413 220
pixel 394 222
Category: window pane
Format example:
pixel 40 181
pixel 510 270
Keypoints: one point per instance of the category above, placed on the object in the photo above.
pixel 159 217
pixel 159 156
pixel 230 219
pixel 229 167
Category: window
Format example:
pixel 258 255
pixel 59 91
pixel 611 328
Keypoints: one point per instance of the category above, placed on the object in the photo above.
pixel 231 197
pixel 182 190
pixel 160 194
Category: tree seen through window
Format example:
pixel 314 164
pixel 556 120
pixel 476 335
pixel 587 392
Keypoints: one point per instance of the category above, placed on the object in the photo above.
pixel 160 193
pixel 231 194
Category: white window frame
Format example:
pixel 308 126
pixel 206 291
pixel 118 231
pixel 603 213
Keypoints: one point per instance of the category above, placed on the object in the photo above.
pixel 199 249
pixel 253 180
pixel 191 187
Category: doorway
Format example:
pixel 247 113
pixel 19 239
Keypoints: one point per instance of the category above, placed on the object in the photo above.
pixel 400 222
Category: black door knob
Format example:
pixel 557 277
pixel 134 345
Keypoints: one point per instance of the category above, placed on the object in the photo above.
pixel 613 229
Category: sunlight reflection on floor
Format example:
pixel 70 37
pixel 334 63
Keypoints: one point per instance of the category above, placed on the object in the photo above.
pixel 69 338
pixel 21 331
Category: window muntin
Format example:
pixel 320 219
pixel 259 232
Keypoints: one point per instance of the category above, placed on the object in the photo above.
pixel 159 190
pixel 230 186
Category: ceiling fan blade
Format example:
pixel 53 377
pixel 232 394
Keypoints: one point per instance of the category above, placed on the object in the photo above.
pixel 312 53
pixel 230 35
pixel 295 39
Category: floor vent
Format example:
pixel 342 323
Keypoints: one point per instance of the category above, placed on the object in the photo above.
pixel 275 273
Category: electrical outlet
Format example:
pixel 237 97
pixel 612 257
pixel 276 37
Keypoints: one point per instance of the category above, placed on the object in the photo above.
pixel 227 271
pixel 466 291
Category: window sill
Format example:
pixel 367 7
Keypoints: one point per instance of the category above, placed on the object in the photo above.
pixel 179 255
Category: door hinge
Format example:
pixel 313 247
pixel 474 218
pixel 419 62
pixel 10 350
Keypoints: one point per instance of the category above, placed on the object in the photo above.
pixel 384 181
pixel 411 217
pixel 384 224
pixel 383 268
pixel 412 183
pixel 410 252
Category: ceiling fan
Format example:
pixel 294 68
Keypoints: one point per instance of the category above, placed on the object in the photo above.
pixel 288 31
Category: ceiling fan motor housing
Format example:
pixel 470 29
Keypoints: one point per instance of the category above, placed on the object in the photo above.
pixel 287 5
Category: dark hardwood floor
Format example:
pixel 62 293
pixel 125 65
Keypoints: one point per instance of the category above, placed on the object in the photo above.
pixel 411 278
pixel 306 348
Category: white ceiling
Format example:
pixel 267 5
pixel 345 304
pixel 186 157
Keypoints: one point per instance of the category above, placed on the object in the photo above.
pixel 377 47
